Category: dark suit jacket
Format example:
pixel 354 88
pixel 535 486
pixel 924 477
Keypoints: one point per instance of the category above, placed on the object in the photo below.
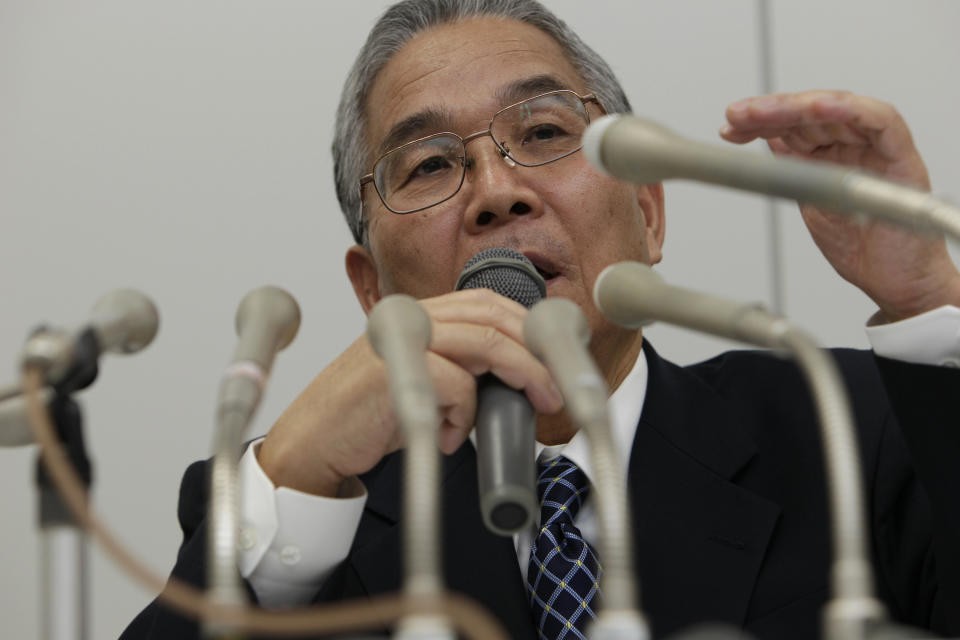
pixel 729 505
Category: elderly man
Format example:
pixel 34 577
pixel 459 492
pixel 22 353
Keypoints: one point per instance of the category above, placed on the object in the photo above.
pixel 434 163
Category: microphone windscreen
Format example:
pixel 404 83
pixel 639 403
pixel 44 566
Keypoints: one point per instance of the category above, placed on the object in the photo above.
pixel 506 272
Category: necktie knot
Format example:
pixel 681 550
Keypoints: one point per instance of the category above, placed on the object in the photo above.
pixel 562 488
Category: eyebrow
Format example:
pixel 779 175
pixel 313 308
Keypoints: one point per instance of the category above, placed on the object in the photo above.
pixel 421 123
pixel 528 87
pixel 434 119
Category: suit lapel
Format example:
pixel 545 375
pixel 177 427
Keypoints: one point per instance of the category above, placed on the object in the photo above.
pixel 700 538
pixel 477 563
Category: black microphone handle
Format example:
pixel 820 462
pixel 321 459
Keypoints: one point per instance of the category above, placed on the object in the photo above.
pixel 505 423
pixel 506 432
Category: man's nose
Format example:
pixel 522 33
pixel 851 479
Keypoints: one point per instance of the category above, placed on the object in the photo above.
pixel 496 188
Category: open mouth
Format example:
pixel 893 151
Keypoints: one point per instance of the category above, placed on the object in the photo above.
pixel 543 266
pixel 546 275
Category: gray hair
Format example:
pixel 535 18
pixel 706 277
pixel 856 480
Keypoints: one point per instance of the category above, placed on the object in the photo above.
pixel 397 26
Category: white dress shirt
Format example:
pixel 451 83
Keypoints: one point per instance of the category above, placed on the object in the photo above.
pixel 291 541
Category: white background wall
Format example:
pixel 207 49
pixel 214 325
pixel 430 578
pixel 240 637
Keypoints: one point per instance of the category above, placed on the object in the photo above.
pixel 182 148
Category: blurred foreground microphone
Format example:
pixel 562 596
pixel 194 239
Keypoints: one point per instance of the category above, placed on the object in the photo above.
pixel 399 331
pixel 642 151
pixel 123 321
pixel 632 295
pixel 506 429
pixel 267 321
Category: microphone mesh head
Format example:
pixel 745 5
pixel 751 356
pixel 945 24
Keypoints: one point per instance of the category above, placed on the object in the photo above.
pixel 506 272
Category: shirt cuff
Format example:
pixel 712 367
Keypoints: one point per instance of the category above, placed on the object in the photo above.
pixel 291 541
pixel 930 338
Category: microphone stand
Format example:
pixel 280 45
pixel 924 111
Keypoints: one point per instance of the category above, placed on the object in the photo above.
pixel 63 542
pixel 557 333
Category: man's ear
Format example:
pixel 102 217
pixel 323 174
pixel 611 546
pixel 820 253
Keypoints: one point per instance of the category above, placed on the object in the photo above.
pixel 651 199
pixel 363 275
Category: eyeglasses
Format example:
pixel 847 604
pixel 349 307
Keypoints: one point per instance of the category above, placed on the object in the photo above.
pixel 430 170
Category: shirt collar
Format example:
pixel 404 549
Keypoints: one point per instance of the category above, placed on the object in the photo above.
pixel 624 407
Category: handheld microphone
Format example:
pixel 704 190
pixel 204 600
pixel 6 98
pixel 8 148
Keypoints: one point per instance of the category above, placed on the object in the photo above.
pixel 642 151
pixel 506 428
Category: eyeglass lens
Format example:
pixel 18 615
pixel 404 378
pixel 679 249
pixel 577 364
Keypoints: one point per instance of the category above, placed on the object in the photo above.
pixel 534 132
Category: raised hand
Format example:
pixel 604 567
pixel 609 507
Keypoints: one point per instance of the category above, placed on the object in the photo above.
pixel 903 272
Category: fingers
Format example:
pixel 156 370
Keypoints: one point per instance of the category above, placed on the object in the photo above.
pixel 813 119
pixel 481 349
pixel 482 332
pixel 786 110
pixel 473 333
pixel 478 306
pixel 457 397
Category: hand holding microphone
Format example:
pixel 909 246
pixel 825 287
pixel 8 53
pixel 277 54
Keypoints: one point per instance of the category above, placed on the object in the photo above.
pixel 347 407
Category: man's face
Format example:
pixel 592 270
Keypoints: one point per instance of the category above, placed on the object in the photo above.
pixel 567 218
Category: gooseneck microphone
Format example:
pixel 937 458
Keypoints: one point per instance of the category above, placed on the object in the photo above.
pixel 631 294
pixel 267 321
pixel 506 429
pixel 642 151
pixel 398 329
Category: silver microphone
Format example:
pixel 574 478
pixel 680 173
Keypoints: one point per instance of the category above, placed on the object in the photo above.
pixel 122 321
pixel 631 294
pixel 399 331
pixel 267 321
pixel 557 333
pixel 642 151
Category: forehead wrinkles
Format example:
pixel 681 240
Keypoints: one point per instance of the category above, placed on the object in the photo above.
pixel 468 48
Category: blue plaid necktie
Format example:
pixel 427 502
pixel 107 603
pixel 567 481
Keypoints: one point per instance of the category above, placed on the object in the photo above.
pixel 564 572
